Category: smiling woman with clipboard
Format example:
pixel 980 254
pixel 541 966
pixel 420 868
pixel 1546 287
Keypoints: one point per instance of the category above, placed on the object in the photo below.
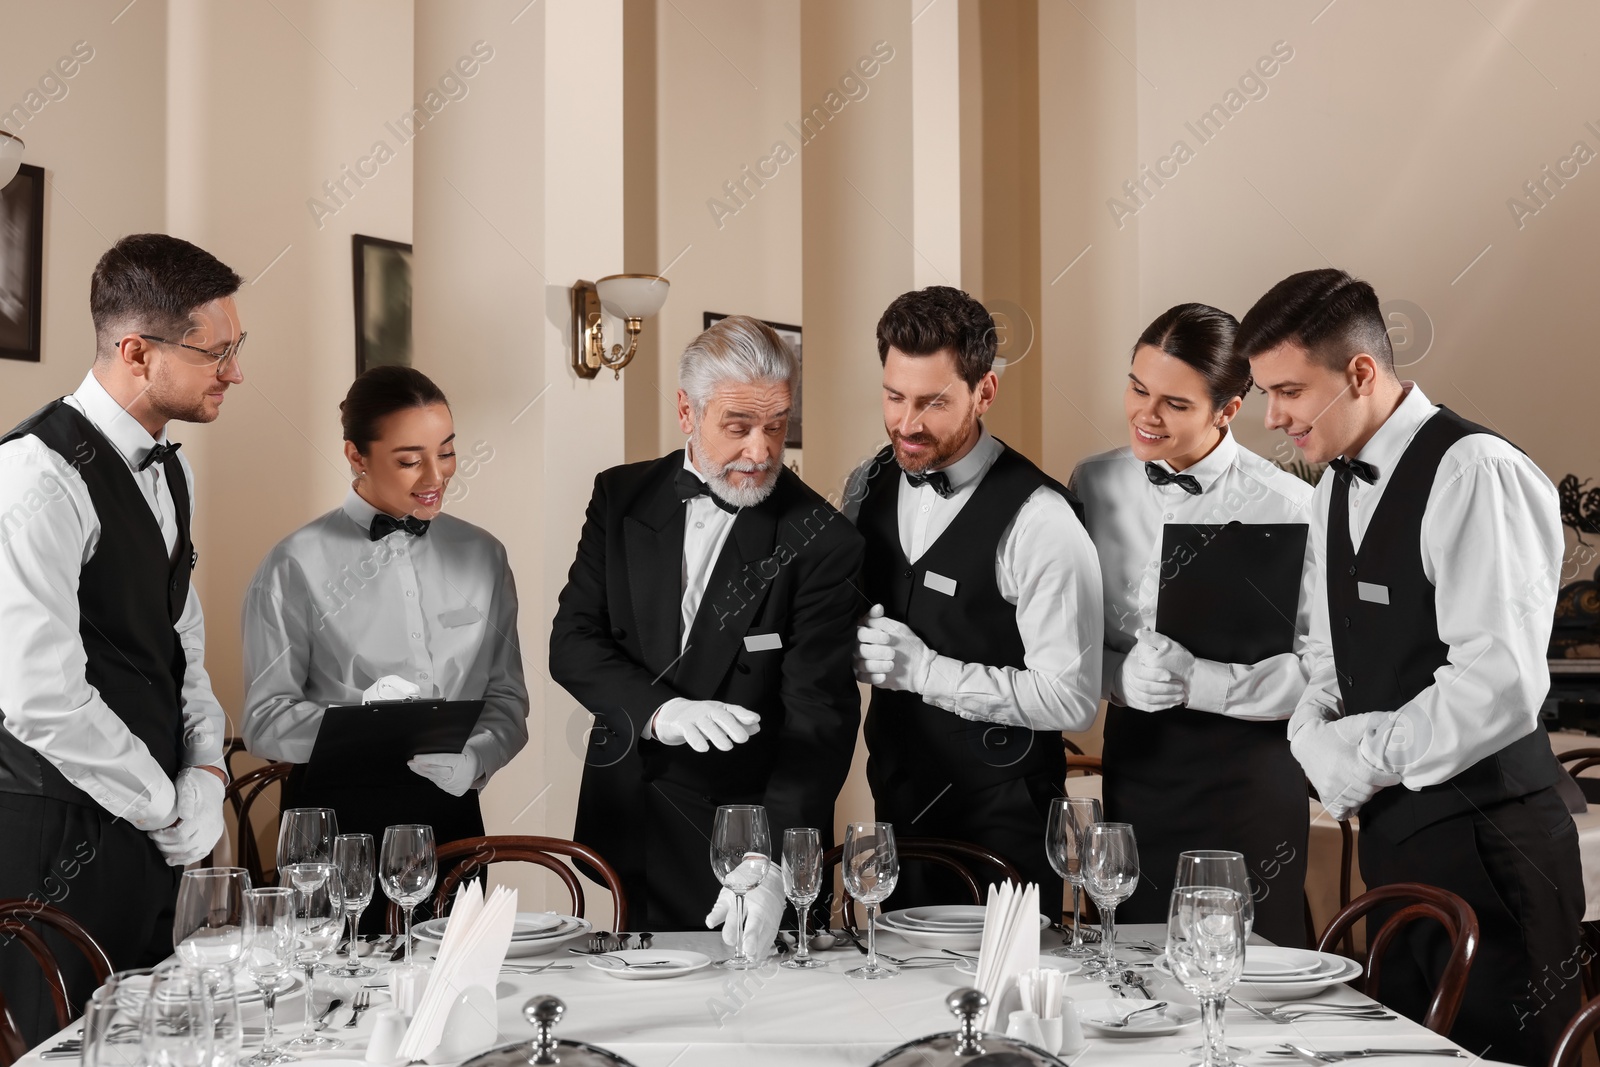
pixel 382 599
pixel 1208 599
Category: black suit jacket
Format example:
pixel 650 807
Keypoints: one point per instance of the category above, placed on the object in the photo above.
pixel 789 568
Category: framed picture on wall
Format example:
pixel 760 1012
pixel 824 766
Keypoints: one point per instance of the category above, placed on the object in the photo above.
pixel 22 265
pixel 383 302
pixel 791 337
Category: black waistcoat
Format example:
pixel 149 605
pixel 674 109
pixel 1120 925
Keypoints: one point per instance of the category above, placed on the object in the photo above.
pixel 1387 653
pixel 130 597
pixel 908 740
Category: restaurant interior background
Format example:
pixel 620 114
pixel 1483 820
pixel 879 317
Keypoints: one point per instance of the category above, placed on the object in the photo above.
pixel 1024 150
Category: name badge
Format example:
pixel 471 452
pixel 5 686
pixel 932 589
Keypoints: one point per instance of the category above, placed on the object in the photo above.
pixel 763 642
pixel 1372 594
pixel 939 583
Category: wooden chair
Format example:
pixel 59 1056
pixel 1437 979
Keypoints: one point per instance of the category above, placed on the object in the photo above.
pixel 1417 901
pixel 461 859
pixel 1347 854
pixel 19 919
pixel 1071 746
pixel 1085 765
pixel 241 796
pixel 957 856
pixel 1569 1047
pixel 233 748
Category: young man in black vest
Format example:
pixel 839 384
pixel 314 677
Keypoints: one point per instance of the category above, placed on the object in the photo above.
pixel 1443 548
pixel 111 772
pixel 983 642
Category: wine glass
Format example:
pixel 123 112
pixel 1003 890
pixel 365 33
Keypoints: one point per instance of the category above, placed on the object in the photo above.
pixel 268 957
pixel 175 1027
pixel 1110 875
pixel 407 868
pixel 1220 870
pixel 208 923
pixel 802 884
pixel 741 853
pixel 305 835
pixel 227 1024
pixel 113 1018
pixel 871 869
pixel 318 919
pixel 1069 817
pixel 1205 951
pixel 353 856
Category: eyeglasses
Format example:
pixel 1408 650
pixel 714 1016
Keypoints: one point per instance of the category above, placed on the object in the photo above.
pixel 217 361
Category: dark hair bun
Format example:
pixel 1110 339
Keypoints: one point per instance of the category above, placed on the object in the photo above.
pixel 380 392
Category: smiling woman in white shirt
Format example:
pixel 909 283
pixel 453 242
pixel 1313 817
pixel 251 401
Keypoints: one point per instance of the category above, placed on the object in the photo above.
pixel 384 597
pixel 1195 755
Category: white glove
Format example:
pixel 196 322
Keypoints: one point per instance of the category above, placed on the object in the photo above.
pixel 199 822
pixel 454 772
pixel 763 911
pixel 390 687
pixel 890 655
pixel 1147 679
pixel 1329 749
pixel 703 723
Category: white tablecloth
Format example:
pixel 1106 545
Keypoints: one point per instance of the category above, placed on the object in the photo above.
pixel 774 1017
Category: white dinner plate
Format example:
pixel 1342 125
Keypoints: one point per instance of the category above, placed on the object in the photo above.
pixel 1293 989
pixel 1095 1014
pixel 529 926
pixel 1047 963
pixel 1269 961
pixel 968 939
pixel 570 929
pixel 951 918
pixel 290 985
pixel 681 963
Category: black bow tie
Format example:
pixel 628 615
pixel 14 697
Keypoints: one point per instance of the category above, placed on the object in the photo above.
pixel 939 480
pixel 1358 467
pixel 689 487
pixel 159 454
pixel 1159 475
pixel 384 525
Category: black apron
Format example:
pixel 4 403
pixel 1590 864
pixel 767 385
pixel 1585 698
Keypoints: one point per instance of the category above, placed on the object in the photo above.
pixel 1190 779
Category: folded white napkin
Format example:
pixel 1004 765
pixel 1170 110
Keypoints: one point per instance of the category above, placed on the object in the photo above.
pixel 1010 944
pixel 475 943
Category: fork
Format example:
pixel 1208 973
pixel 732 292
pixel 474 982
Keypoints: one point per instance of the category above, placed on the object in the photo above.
pixel 628 964
pixel 1313 1056
pixel 363 1002
pixel 1118 1024
pixel 1341 1011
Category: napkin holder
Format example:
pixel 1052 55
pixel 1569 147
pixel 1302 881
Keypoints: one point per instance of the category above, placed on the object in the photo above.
pixel 469 1029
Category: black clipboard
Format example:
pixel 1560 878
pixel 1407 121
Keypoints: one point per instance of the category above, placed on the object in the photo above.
pixel 1230 592
pixel 370 744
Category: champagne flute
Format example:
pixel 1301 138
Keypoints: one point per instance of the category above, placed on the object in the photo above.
pixel 354 859
pixel 1205 951
pixel 305 835
pixel 802 884
pixel 208 923
pixel 175 1029
pixel 741 852
pixel 1110 875
pixel 407 868
pixel 1069 817
pixel 318 919
pixel 268 957
pixel 871 869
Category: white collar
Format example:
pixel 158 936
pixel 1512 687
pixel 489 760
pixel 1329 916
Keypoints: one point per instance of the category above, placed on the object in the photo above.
pixel 1213 466
pixel 131 440
pixel 971 467
pixel 361 513
pixel 1387 445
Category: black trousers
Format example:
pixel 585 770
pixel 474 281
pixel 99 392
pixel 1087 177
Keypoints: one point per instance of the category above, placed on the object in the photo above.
pixel 1009 818
pixel 106 874
pixel 1517 864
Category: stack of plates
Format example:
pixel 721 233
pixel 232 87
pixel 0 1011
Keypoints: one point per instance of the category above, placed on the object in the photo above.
pixel 534 933
pixel 957 926
pixel 1287 973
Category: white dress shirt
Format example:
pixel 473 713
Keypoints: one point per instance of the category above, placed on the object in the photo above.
pixel 330 611
pixel 1492 546
pixel 705 531
pixel 1126 513
pixel 48 532
pixel 1045 565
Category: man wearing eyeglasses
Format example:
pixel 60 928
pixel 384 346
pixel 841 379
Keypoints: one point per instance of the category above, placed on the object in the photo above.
pixel 111 741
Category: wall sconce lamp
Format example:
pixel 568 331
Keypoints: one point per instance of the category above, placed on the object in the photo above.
pixel 630 297
pixel 10 157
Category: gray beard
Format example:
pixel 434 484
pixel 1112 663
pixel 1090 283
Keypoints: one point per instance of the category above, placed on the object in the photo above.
pixel 740 496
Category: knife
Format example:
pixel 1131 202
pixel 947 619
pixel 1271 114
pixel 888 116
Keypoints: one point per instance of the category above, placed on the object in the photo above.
pixel 855 940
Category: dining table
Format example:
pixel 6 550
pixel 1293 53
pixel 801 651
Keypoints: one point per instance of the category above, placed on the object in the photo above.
pixel 774 1017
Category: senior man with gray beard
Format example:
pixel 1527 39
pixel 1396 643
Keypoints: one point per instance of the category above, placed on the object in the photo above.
pixel 707 624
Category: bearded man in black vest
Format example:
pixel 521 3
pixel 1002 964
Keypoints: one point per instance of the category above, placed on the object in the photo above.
pixel 984 639
pixel 1443 548
pixel 111 772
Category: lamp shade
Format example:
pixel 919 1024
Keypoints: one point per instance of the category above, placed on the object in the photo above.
pixel 10 157
pixel 633 296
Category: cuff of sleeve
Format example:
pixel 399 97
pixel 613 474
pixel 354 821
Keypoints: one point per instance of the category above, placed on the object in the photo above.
pixel 1111 668
pixel 157 812
pixel 1379 750
pixel 940 682
pixel 486 750
pixel 1208 685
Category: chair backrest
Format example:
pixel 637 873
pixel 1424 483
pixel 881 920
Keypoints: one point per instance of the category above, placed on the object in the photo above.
pixel 1578 760
pixel 1083 764
pixel 957 856
pixel 1347 852
pixel 459 860
pixel 1070 746
pixel 1415 901
pixel 12 1044
pixel 1569 1047
pixel 241 796
pixel 19 919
